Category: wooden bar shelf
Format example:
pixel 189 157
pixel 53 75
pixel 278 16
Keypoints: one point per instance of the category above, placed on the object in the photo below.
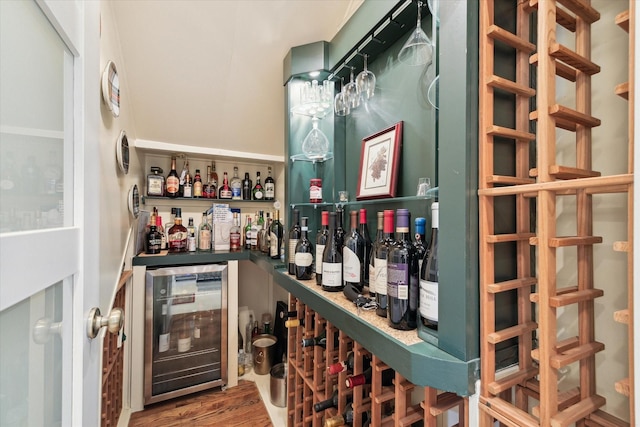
pixel 511 380
pixel 509 180
pixel 562 70
pixel 575 297
pixel 513 237
pixel 578 411
pixel 510 39
pixel 582 9
pixel 510 133
pixel 511 284
pixel 622 20
pixel 565 399
pixel 514 331
pixel 563 17
pixel 574 354
pixel 510 86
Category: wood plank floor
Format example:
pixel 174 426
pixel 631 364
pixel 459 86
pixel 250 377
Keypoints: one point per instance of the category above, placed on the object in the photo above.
pixel 236 406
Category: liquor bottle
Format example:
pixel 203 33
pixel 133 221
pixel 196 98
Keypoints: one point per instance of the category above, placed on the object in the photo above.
pixel 187 190
pixel 368 246
pixel 236 185
pixel 154 240
pixel 429 277
pixel 347 418
pixel 246 187
pixel 191 236
pixel 225 191
pixel 381 264
pixel 155 182
pixel 178 234
pixel 420 243
pixel 303 253
pixel 183 176
pixel 353 255
pixel 208 191
pixel 275 237
pixel 264 233
pixel 204 234
pixel 331 402
pixel 321 241
pixel 373 285
pixel 269 186
pixel 347 365
pixel 365 378
pixel 213 178
pixel 339 227
pixel 332 260
pixel 294 236
pixel 247 234
pixel 235 236
pixel 403 280
pixel 173 181
pixel 260 233
pixel 258 191
pixel 163 235
pixel 168 225
pixel 197 185
pixel 255 229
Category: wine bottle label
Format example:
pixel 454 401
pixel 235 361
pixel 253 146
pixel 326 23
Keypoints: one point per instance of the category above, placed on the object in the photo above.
pixel 429 300
pixel 269 190
pixel 184 344
pixel 319 252
pixel 331 274
pixel 398 281
pixel 196 332
pixel 351 265
pixel 292 250
pixel 273 244
pixel 173 184
pixel 163 342
pixel 380 276
pixel 372 278
pixel 303 259
pixel 205 240
pixel 258 194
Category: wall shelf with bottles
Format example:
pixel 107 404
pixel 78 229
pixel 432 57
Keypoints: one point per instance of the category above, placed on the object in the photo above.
pixel 198 201
pixel 431 195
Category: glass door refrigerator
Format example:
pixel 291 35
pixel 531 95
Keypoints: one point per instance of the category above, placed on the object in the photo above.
pixel 185 330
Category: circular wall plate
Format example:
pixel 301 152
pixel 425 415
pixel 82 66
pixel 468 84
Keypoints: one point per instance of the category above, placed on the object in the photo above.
pixel 111 88
pixel 122 152
pixel 134 201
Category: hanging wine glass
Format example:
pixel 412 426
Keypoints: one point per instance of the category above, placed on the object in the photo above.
pixel 352 92
pixel 366 81
pixel 340 104
pixel 316 144
pixel 418 49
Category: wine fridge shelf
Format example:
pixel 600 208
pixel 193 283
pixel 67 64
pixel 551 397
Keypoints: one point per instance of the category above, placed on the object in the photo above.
pixel 394 403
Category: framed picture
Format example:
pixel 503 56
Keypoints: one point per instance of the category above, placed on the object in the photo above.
pixel 379 163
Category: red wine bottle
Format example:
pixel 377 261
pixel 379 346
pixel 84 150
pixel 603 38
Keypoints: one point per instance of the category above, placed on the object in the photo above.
pixel 365 378
pixel 381 264
pixel 303 253
pixel 347 365
pixel 366 259
pixel 321 241
pixel 294 236
pixel 403 282
pixel 420 243
pixel 429 277
pixel 372 264
pixel 353 255
pixel 332 260
pixel 331 402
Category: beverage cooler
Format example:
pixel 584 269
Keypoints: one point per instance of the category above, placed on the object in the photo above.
pixel 185 330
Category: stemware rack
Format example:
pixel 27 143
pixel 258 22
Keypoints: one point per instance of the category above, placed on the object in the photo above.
pixel 510 399
pixel 309 382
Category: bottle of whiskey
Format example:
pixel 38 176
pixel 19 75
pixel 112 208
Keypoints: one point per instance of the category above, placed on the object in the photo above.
pixel 197 185
pixel 173 181
pixel 178 234
pixel 204 234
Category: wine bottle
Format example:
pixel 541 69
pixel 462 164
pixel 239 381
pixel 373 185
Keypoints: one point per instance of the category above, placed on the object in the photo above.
pixel 347 365
pixel 353 255
pixel 178 234
pixel 293 323
pixel 294 236
pixel 269 186
pixel 365 378
pixel 225 190
pixel 339 227
pixel 403 281
pixel 258 191
pixel 381 263
pixel 372 262
pixel 347 418
pixel 255 229
pixel 204 234
pixel 429 277
pixel 332 260
pixel 187 191
pixel 173 181
pixel 264 240
pixel 321 241
pixel 275 237
pixel 303 256
pixel 331 402
pixel 247 234
pixel 236 185
pixel 246 187
pixel 260 229
pixel 420 243
pixel 364 232
pixel 320 340
pixel 184 335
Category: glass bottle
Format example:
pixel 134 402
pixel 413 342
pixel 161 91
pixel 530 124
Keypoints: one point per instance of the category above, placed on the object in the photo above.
pixel 303 253
pixel 429 277
pixel 153 241
pixel 178 234
pixel 234 234
pixel 183 176
pixel 353 255
pixel 294 236
pixel 402 276
pixel 381 264
pixel 275 237
pixel 364 232
pixel 197 185
pixel 163 234
pixel 260 234
pixel 332 260
pixel 258 191
pixel 155 182
pixel 225 191
pixel 420 243
pixel 248 344
pixel 184 335
pixel 269 186
pixel 204 234
pixel 264 240
pixel 255 229
pixel 365 378
pixel 187 190
pixel 168 225
pixel 213 178
pixel 173 181
pixel 247 234
pixel 246 187
pixel 347 418
pixel 331 402
pixel 347 365
pixel 236 185
pixel 372 267
pixel 321 241
pixel 339 227
pixel 191 236
pixel 208 190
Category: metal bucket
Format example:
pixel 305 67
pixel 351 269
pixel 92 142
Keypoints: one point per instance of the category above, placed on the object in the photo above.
pixel 278 385
pixel 264 352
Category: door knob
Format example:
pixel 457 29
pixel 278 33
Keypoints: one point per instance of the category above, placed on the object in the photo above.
pixel 44 328
pixel 96 321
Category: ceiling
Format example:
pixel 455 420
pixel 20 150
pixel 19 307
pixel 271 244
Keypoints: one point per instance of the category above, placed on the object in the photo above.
pixel 208 73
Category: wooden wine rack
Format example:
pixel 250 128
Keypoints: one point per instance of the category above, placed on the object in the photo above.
pixel 309 382
pixel 509 398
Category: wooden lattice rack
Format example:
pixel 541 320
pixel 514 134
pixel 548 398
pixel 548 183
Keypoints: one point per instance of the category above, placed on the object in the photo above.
pixel 540 63
pixel 309 382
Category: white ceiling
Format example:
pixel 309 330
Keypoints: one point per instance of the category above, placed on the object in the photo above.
pixel 209 73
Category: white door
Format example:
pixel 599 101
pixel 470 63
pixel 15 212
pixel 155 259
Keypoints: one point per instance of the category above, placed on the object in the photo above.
pixel 49 370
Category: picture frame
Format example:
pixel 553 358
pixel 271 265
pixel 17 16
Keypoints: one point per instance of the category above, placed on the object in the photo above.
pixel 379 164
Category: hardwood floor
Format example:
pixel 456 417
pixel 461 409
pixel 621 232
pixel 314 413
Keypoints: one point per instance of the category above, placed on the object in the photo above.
pixel 236 406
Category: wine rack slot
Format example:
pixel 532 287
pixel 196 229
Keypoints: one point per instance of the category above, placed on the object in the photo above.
pixel 530 395
pixel 379 396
